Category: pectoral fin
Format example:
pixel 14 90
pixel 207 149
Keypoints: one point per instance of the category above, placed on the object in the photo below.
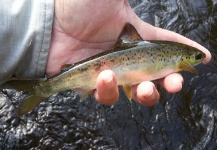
pixel 128 91
pixel 186 67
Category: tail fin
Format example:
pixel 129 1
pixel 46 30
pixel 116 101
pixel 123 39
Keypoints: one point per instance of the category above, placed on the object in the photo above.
pixel 29 104
pixel 19 84
pixel 31 101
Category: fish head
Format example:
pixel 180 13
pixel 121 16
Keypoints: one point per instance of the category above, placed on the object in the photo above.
pixel 193 56
pixel 190 57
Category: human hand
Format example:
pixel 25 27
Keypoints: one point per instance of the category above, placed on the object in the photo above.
pixel 84 28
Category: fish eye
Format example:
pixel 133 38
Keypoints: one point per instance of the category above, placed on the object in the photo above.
pixel 198 56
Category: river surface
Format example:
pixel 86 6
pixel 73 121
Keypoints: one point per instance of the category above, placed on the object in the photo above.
pixel 185 120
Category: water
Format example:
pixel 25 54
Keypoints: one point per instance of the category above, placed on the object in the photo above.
pixel 185 120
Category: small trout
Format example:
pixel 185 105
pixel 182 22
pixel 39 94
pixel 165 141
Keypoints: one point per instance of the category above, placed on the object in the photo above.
pixel 132 59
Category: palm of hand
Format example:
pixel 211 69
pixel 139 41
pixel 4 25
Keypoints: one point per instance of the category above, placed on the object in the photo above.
pixel 85 33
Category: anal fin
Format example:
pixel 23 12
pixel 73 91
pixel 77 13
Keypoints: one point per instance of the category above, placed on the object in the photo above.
pixel 128 91
pixel 83 93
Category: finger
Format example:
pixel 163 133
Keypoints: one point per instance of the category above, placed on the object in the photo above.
pixel 172 83
pixel 146 93
pixel 106 88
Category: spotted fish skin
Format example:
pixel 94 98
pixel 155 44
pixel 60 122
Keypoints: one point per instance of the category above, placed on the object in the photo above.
pixel 132 59
pixel 145 61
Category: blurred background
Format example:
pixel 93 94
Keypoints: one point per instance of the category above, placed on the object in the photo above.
pixel 185 120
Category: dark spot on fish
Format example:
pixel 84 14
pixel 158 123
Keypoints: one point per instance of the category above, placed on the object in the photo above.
pixel 82 69
pixel 97 66
pixel 112 60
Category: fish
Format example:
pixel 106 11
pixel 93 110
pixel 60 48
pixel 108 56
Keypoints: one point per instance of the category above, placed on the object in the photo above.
pixel 132 59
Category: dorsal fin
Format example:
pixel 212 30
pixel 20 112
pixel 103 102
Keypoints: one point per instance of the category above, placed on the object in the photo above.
pixel 127 35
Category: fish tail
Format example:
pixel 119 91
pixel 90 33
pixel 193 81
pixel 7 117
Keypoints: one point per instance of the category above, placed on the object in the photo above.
pixel 20 85
pixel 28 86
pixel 29 104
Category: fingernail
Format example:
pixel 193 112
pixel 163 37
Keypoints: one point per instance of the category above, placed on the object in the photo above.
pixel 108 80
pixel 149 92
pixel 108 77
pixel 152 96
